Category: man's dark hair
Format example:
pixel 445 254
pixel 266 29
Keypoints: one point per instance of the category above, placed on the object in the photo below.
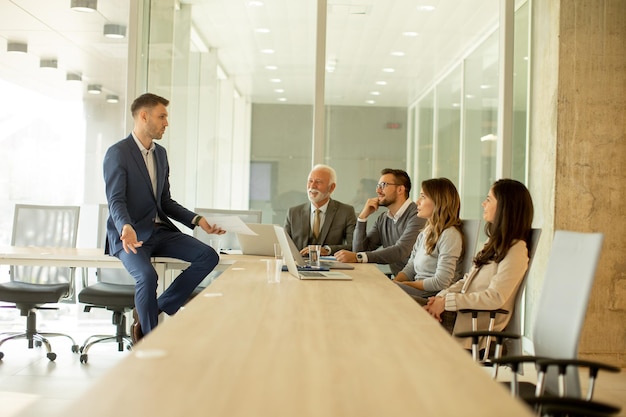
pixel 401 178
pixel 147 100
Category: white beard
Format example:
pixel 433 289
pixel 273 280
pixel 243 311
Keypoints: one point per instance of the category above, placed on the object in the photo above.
pixel 316 196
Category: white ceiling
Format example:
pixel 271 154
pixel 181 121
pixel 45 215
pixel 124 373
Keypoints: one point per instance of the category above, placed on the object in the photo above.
pixel 361 37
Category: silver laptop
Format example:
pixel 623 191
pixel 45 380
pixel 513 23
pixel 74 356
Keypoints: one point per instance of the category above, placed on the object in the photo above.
pixel 288 255
pixel 260 244
pixel 303 264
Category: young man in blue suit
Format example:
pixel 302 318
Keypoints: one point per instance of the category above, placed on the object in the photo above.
pixel 136 175
pixel 336 221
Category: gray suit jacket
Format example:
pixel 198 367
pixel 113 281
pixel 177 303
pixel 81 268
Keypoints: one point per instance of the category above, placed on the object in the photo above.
pixel 337 230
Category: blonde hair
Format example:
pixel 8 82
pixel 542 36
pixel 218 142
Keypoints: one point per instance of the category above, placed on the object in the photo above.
pixel 445 213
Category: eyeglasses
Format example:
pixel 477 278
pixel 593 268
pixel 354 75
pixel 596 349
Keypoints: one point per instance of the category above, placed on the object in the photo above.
pixel 382 185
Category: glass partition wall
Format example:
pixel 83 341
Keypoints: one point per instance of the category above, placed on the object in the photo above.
pixel 241 111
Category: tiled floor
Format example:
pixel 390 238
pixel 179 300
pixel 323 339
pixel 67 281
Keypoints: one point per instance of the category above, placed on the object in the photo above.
pixel 31 385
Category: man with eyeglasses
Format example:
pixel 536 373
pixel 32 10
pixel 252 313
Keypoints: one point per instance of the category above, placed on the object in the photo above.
pixel 323 220
pixel 391 238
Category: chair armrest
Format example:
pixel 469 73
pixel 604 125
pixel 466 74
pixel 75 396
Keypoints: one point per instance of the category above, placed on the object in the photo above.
pixel 569 405
pixel 593 366
pixel 493 333
pixel 562 364
pixel 476 311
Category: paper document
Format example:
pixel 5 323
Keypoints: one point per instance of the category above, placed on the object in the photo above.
pixel 232 224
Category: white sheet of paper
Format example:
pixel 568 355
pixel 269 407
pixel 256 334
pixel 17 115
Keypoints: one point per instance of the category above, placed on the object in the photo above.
pixel 232 224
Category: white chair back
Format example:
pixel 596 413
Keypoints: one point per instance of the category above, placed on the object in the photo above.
pixel 563 301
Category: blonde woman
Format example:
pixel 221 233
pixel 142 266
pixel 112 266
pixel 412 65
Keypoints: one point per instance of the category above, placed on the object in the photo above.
pixel 436 257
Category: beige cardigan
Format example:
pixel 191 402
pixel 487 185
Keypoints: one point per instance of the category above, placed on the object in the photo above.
pixel 492 286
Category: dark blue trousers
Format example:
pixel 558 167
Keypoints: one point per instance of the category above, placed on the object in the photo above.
pixel 166 242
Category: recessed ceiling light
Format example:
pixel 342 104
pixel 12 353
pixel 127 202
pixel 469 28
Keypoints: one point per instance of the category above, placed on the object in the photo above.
pixel 72 76
pixel 18 47
pixel 275 80
pixel 282 99
pixel 267 51
pixel 255 3
pixel 271 67
pixel 381 82
pixel 389 70
pixel 410 34
pixel 48 63
pixel 94 88
pixel 426 8
pixel 84 5
pixel 370 101
pixel 262 30
pixel 397 53
pixel 485 86
pixel 375 93
pixel 112 98
pixel 114 31
pixel 279 90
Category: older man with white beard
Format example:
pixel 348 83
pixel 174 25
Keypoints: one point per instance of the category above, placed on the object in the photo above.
pixel 322 221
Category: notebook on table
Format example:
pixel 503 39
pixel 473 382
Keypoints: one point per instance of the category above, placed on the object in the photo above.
pixel 289 253
pixel 260 244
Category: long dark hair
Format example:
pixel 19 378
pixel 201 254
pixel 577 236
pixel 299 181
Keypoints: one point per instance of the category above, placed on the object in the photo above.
pixel 512 222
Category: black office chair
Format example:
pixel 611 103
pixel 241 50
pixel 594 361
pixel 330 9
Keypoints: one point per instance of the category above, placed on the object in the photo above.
pixel 32 287
pixel 114 291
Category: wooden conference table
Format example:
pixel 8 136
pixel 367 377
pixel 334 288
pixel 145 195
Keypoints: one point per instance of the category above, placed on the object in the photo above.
pixel 246 347
pixel 81 258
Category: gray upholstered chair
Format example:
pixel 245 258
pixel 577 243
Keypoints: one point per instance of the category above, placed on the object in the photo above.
pixel 33 287
pixel 471 231
pixel 114 291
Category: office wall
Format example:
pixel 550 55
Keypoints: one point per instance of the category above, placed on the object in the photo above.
pixel 578 127
pixel 359 143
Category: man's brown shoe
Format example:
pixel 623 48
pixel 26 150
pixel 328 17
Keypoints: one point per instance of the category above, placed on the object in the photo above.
pixel 135 329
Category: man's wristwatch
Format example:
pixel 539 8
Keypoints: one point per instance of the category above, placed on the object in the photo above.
pixel 327 248
pixel 196 221
pixel 359 257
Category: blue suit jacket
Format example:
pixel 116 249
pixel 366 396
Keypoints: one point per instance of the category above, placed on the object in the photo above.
pixel 130 197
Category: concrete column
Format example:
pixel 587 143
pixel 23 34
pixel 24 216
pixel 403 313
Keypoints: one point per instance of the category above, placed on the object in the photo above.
pixel 579 122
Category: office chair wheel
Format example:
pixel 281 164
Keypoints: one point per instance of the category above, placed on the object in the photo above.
pixel 1 355
pixel 83 358
pixel 75 349
pixel 38 343
pixel 52 356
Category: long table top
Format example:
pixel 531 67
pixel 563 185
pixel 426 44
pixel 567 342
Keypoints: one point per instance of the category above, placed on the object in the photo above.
pixel 70 257
pixel 245 347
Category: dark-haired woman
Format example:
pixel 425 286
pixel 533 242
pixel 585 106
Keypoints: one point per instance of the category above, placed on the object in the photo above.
pixel 499 267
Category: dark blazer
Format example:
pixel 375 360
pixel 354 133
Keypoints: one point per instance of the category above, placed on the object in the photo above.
pixel 130 197
pixel 337 230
